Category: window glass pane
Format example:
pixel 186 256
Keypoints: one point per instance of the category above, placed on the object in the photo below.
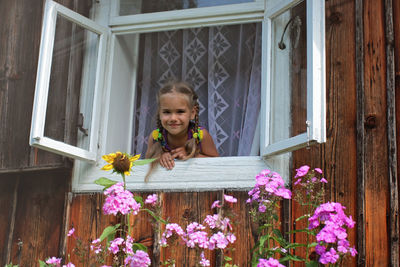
pixel 289 74
pixel 222 64
pixel 131 7
pixel 73 68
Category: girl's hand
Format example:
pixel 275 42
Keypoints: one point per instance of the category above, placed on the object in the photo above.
pixel 179 153
pixel 167 161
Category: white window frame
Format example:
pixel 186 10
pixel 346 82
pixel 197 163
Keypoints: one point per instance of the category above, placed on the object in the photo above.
pixel 37 137
pixel 211 173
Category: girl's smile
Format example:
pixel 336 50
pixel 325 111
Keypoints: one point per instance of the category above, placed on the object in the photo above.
pixel 175 113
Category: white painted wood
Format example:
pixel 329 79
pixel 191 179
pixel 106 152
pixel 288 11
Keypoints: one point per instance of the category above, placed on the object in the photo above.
pixel 316 78
pixel 189 23
pixel 194 174
pixel 64 149
pixel 37 137
pixel 176 16
pixel 316 111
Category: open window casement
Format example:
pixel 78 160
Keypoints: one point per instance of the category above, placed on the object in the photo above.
pixel 67 96
pixel 294 111
pixel 292 88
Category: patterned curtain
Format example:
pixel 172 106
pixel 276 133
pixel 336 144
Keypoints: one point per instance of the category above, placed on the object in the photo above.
pixel 222 63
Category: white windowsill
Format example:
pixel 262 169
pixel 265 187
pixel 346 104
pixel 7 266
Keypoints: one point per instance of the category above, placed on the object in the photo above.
pixel 198 174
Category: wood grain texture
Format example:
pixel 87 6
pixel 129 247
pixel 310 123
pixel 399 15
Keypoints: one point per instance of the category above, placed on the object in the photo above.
pixel 337 157
pixel 396 30
pixel 391 131
pixel 38 217
pixel 376 150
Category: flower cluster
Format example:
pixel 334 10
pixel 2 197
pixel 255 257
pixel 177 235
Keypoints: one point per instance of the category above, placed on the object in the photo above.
pixel 53 261
pixel 138 259
pixel 269 188
pixel 119 200
pixel 332 238
pixel 309 186
pixel 271 262
pixel 197 236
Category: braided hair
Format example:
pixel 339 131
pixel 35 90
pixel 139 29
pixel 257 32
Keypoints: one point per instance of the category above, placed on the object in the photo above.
pixel 192 145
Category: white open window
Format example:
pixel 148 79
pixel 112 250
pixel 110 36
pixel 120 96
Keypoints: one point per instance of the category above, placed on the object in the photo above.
pixel 71 62
pixel 292 88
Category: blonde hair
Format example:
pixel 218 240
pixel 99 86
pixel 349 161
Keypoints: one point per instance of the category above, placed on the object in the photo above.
pixel 191 145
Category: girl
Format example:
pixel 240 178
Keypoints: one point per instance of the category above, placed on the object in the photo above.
pixel 178 135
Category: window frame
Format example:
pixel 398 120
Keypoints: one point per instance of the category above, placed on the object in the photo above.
pixel 37 137
pixel 189 175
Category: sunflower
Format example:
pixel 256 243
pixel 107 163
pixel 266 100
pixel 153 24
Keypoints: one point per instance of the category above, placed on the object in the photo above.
pixel 119 162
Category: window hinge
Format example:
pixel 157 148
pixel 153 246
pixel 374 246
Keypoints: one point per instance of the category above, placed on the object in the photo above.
pixel 80 125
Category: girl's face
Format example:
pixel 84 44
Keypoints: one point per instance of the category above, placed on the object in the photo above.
pixel 175 113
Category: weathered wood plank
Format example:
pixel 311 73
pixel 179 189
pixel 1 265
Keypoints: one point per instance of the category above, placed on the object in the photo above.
pixel 39 214
pixel 8 192
pixel 391 130
pixel 396 26
pixel 376 144
pixel 359 53
pixel 337 157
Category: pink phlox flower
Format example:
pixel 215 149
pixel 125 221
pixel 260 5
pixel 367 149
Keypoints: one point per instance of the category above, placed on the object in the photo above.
pixel 151 199
pixel 138 259
pixel 219 240
pixel 320 249
pixel 284 193
pixel 194 226
pixel 230 199
pixel 343 246
pixel 128 245
pixel 303 170
pixel 329 257
pixel 114 245
pixel 216 204
pixel 119 200
pixel 231 238
pixel 203 260
pixel 169 230
pixel 318 170
pixel 200 238
pixel 71 232
pixel 262 208
pixel 271 262
pixel 323 180
pixel 353 251
pixel 53 260
pixel 96 246
pixel 211 220
pixel 70 264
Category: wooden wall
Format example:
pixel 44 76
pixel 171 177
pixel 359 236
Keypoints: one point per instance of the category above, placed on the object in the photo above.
pixel 359 159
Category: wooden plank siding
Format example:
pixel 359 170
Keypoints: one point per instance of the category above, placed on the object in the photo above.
pixel 359 157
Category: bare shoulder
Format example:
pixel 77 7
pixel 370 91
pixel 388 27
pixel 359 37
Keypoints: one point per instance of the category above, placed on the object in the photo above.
pixel 208 148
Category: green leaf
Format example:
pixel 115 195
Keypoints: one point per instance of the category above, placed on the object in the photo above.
pixel 227 258
pixel 302 217
pixel 138 246
pixel 143 162
pixel 312 264
pixel 155 216
pixel 311 245
pixel 105 182
pixel 109 230
pixel 295 245
pixel 42 264
pixel 139 199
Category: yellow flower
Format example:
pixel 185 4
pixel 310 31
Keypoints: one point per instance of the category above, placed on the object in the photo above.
pixel 119 162
pixel 200 134
pixel 155 134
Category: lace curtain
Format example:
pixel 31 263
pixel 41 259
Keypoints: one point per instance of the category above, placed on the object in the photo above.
pixel 222 63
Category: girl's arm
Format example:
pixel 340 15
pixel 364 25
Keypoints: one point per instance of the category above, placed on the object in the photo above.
pixel 165 160
pixel 208 148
